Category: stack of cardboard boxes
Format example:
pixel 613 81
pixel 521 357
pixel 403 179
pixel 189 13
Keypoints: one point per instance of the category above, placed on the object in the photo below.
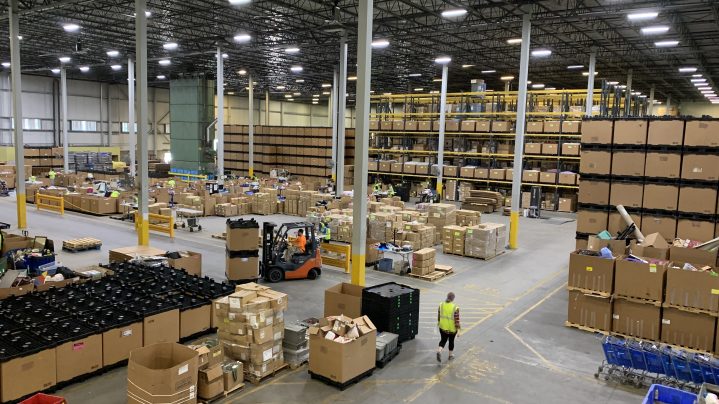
pixel 453 239
pixel 242 260
pixel 209 365
pixel 423 261
pixel 251 328
pixel 440 215
pixel 468 217
pixel 485 240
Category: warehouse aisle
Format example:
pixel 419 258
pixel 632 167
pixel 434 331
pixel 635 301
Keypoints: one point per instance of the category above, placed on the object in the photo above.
pixel 513 310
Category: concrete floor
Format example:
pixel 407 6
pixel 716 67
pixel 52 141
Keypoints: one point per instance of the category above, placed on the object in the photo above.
pixel 515 347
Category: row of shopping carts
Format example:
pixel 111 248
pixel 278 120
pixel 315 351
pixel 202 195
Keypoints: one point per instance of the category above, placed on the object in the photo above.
pixel 642 363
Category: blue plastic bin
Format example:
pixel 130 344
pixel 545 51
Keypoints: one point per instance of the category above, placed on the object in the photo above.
pixel 668 395
pixel 384 265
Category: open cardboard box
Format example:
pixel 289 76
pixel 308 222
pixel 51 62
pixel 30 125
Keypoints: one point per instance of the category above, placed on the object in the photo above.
pixel 345 356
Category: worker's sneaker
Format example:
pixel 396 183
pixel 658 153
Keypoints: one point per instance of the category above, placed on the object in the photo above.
pixel 451 357
pixel 439 357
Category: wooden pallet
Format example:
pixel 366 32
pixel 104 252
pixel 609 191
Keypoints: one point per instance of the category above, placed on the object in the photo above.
pixel 257 380
pixel 81 244
pixel 341 386
pixel 691 309
pixel 221 395
pixel 220 236
pixel 584 328
pixel 632 299
pixel 589 292
pixel 440 271
pixel 294 366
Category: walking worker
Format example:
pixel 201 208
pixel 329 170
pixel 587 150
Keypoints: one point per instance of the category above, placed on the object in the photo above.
pixel 448 319
pixel 52 175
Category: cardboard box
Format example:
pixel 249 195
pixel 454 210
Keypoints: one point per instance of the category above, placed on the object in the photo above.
pixel 532 148
pixel 501 126
pixel 28 374
pixel 530 175
pixel 693 289
pixel 692 330
pixel 450 171
pixel 481 173
pixel 663 165
pixel 666 133
pixel 591 273
pixel 551 126
pixel 467 171
pixel 566 178
pixel 617 224
pixel 639 280
pixel 692 255
pixel 597 131
pixel 594 243
pixel 590 310
pixel 190 262
pixel 210 382
pixel 664 225
pixel 548 177
pixel 636 319
pixel 424 126
pixel 551 149
pixel 701 133
pixel 627 194
pixel 119 342
pixel 244 239
pixel 497 174
pixel 594 192
pixel 697 230
pixel 232 375
pixel 482 126
pixel 595 162
pixel 628 163
pixel 571 126
pixel 162 373
pixel 662 197
pixel 700 167
pixel 697 200
pixel 630 131
pixel 468 126
pixel 451 126
pixel 79 357
pixel 570 149
pixel 535 126
pixel 241 268
pixel 161 327
pixel 341 362
pixel 567 204
pixel 195 321
pixel 343 299
pixel 591 221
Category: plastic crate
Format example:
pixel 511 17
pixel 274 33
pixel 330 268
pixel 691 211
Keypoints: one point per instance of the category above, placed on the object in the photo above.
pixel 668 395
pixel 384 265
pixel 107 318
pixel 41 398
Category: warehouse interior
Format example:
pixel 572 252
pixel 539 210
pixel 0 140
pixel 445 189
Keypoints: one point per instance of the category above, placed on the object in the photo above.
pixel 262 200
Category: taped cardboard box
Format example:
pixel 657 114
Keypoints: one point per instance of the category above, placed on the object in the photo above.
pixel 663 165
pixel 597 131
pixel 232 375
pixel 666 133
pixel 28 374
pixel 628 163
pixel 343 299
pixel 210 382
pixel 700 167
pixel 693 289
pixel 636 319
pixel 591 273
pixel 595 162
pixel 631 132
pixel 701 133
pixel 341 350
pixel 692 330
pixel 162 373
pixel 640 280
pixel 590 310
pixel 591 221
pixel 189 261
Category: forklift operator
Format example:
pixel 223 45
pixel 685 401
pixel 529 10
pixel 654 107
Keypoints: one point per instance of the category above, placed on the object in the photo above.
pixel 297 245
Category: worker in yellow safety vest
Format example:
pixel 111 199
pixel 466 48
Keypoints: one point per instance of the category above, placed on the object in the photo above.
pixel 448 322
pixel 52 175
pixel 326 232
pixel 32 178
pixel 390 190
pixel 114 194
pixel 377 187
pixel 171 183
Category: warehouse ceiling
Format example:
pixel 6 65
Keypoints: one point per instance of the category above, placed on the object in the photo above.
pixel 416 30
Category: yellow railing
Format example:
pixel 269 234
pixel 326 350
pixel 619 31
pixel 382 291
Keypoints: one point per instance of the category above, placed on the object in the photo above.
pixel 343 251
pixel 50 202
pixel 161 223
pixel 183 176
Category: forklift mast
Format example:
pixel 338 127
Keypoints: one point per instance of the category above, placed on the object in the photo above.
pixel 268 234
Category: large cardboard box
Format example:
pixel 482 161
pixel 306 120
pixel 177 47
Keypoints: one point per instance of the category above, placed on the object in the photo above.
pixel 548 177
pixel 697 200
pixel 241 268
pixel 550 149
pixel 692 255
pixel 79 357
pixel 616 223
pixel 594 192
pixel 530 176
pixel 535 126
pixel 701 133
pixel 14 242
pixel 28 374
pixel 162 373
pixel 567 204
pixel 700 167
pixel 636 319
pixel 627 194
pixel 590 310
pixel 594 243
pixel 697 230
pixel 551 126
pixel 692 330
pixel 571 126
pixel 119 342
pixel 501 126
pixel 694 289
pixel 666 133
pixel 663 165
pixel 591 221
pixel 662 197
pixel 633 132
pixel 597 131
pixel 190 262
pixel 344 299
pixel 639 280
pixel 468 126
pixel 532 148
pixel 341 362
pixel 571 149
pixel 161 327
pixel 244 239
pixel 591 273
pixel 497 173
pixel 628 163
pixel 664 225
pixel 595 162
pixel 195 321
pixel 210 382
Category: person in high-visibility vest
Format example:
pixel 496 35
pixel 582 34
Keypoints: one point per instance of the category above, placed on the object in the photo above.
pixel 448 322
pixel 377 187
pixel 171 183
pixel 114 194
pixel 32 178
pixel 52 175
pixel 390 190
pixel 326 232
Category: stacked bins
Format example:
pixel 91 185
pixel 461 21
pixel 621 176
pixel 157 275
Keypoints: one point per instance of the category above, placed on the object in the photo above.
pixel 295 345
pixel 393 308
pixel 242 257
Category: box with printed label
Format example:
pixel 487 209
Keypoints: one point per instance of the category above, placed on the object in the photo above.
pixel 162 373
pixel 530 175
pixel 79 357
pixel 630 132
pixel 535 126
pixel 693 289
pixel 590 310
pixel 701 133
pixel 532 148
pixel 595 162
pixel 700 167
pixel 551 126
pixel 591 221
pixel 666 133
pixel 636 319
pixel 497 174
pixel 591 273
pixel 663 165
pixel 691 330
pixel 119 342
pixel 570 149
pixel 25 375
pixel 640 280
pixel 341 354
pixel 628 163
pixel 597 131
pixel 550 149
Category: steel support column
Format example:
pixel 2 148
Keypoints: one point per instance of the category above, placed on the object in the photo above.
pixel 220 126
pixel 341 108
pixel 132 132
pixel 267 107
pixel 359 199
pixel 628 97
pixel 251 125
pixel 63 112
pixel 333 123
pixel 650 108
pixel 15 77
pixel 143 236
pixel 590 83
pixel 521 126
pixel 442 118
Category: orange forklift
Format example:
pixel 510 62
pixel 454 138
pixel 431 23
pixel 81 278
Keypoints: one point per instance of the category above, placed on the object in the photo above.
pixel 276 265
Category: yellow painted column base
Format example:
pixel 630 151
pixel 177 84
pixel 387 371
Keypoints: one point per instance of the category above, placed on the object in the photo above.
pixel 143 231
pixel 358 269
pixel 21 211
pixel 513 229
pixel 334 177
pixel 251 171
pixel 439 188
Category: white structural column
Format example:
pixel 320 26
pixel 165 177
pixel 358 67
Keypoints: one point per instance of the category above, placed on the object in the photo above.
pixel 521 126
pixel 341 108
pixel 590 83
pixel 141 54
pixel 251 125
pixel 628 99
pixel 669 105
pixel 220 127
pixel 63 112
pixel 359 199
pixel 650 108
pixel 15 78
pixel 333 123
pixel 442 118
pixel 131 125
pixel 267 107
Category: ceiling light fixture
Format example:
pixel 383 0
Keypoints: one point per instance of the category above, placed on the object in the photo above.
pixel 488 71
pixel 387 94
pixel 6 64
pixel 704 88
pixel 116 67
pixel 687 69
pixel 55 70
pixel 300 81
pixel 514 41
pixel 570 67
pixel 612 83
pixel 113 53
pixel 64 59
pixel 296 94
pixel 170 46
pixel 161 77
pixel 414 75
pixel 586 74
pixel 326 93
pixel 458 12
pixel 288 95
pixel 467 66
pixel 541 52
pixel 443 60
pixel 351 78
pixel 436 80
pixel 666 44
pixel 84 69
pixel 315 102
pixel 658 29
pixel 242 38
pixel 315 95
pixel 697 80
pixel 696 75
pixel 242 72
pixel 550 88
pixel 643 16
pixel 506 78
pixel 71 27
pixel 326 85
pixel 225 56
pixel 280 87
pixel 165 62
pixel 239 2
pixel 419 89
pixel 380 43
pixel 296 69
pixel 538 86
pixel 292 50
